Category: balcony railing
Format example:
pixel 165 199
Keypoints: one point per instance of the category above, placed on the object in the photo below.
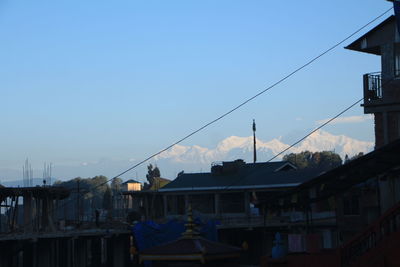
pixel 372 87
pixel 386 225
pixel 238 220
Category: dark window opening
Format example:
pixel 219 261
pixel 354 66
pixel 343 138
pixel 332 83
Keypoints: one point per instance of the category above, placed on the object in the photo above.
pixel 351 205
pixel 232 203
pixel 204 203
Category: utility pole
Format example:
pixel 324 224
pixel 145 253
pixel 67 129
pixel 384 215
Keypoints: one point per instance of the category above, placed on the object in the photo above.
pixel 77 202
pixel 254 142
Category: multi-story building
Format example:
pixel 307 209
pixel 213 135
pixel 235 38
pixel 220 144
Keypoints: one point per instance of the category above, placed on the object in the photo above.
pixel 382 88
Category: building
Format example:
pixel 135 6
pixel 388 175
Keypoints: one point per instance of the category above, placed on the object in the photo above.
pixel 363 195
pixel 350 210
pixel 230 193
pixel 158 183
pixel 131 185
pixel 381 88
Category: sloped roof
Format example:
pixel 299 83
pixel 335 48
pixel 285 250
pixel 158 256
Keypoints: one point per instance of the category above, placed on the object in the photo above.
pixel 385 32
pixel 259 175
pixel 190 247
pixel 196 249
pixel 384 160
pixel 159 182
pixel 131 181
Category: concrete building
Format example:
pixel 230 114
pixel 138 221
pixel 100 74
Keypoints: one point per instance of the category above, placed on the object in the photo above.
pixel 232 194
pixel 382 88
pixel 131 185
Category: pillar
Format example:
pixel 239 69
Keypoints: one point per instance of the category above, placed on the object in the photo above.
pixel 216 203
pixel 119 250
pixel 28 222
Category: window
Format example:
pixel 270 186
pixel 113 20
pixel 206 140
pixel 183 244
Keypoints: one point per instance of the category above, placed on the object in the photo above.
pixel 232 203
pixel 203 203
pixel 351 205
pixel 176 205
pixel 397 61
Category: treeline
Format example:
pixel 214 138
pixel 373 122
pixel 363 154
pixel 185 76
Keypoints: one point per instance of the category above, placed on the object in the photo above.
pixel 322 159
pixel 88 195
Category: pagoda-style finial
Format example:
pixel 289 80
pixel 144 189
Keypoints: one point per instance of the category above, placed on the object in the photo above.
pixel 190 232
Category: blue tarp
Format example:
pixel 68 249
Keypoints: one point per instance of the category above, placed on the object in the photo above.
pixel 149 234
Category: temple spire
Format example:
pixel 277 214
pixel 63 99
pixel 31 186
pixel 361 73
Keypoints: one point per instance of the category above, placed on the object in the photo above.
pixel 190 232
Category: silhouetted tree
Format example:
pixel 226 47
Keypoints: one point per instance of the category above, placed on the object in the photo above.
pixel 107 199
pixel 116 185
pixel 307 159
pixel 356 156
pixel 152 172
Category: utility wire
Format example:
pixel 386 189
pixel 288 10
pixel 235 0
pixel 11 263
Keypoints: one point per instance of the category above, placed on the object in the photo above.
pixel 250 99
pixel 316 129
pixel 255 96
pixel 300 140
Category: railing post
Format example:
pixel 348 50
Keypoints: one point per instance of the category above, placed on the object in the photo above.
pixel 366 88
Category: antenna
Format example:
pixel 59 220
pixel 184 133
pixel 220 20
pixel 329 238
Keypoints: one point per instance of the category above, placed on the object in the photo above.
pixel 254 142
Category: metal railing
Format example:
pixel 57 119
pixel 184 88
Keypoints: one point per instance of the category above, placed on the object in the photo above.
pixel 372 236
pixel 372 86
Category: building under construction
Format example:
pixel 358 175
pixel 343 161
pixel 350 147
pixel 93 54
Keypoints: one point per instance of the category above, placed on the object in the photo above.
pixel 32 235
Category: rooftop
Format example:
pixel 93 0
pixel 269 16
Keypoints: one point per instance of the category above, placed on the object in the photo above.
pixel 385 32
pixel 249 176
pixel 131 181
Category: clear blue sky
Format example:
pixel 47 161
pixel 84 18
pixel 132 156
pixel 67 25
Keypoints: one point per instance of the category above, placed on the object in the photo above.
pixel 85 80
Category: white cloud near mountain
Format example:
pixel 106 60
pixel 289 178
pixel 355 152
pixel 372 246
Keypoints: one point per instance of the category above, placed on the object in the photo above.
pixel 349 119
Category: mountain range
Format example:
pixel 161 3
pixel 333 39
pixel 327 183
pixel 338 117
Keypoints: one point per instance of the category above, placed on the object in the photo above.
pixel 195 158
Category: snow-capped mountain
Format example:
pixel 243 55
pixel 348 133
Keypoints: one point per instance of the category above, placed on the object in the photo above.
pixel 196 158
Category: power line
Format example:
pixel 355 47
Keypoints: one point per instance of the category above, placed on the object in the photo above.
pixel 299 140
pixel 316 129
pixel 255 96
pixel 252 98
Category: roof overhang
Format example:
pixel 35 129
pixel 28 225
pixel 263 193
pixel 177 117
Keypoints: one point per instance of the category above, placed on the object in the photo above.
pixel 217 188
pixel 371 41
pixel 378 163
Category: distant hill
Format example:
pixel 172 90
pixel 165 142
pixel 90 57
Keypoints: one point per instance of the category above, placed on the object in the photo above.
pixel 20 183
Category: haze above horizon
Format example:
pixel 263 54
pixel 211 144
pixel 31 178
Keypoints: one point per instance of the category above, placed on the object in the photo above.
pixel 85 81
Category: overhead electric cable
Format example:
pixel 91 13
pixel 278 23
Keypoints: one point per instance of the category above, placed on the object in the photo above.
pixel 253 97
pixel 316 129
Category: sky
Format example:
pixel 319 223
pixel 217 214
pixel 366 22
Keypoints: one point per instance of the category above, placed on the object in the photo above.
pixel 91 81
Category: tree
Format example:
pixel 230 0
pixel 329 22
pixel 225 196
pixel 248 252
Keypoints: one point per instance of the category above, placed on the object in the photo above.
pixel 356 156
pixel 91 191
pixel 107 199
pixel 116 185
pixel 307 159
pixel 152 172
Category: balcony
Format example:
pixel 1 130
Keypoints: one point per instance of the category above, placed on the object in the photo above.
pixel 372 88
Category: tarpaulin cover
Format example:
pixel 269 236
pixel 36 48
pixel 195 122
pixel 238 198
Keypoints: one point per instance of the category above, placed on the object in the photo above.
pixel 149 234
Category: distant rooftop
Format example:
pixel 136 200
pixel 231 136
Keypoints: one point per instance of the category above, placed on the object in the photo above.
pixel 247 176
pixel 130 181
